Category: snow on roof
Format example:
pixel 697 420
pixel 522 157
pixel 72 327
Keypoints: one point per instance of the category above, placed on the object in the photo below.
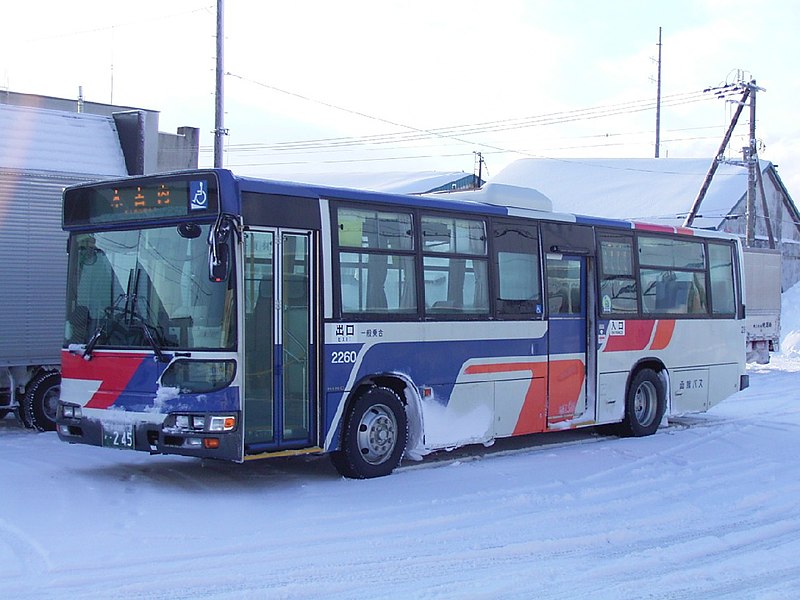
pixel 35 139
pixel 654 190
pixel 398 182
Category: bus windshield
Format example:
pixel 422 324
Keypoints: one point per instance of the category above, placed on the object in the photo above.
pixel 147 288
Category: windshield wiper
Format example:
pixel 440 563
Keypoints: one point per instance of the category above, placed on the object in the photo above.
pixel 147 327
pixel 160 356
pixel 86 350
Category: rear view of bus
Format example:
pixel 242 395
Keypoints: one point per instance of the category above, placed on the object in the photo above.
pixel 151 319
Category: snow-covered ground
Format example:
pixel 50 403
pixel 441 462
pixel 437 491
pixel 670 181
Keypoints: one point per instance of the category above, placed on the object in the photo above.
pixel 706 508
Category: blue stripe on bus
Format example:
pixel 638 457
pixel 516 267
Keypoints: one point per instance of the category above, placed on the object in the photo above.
pixel 600 222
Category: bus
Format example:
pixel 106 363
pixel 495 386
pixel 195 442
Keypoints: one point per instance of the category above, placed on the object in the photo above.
pixel 219 316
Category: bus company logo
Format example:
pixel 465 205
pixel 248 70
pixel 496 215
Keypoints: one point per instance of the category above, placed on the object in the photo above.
pixel 690 384
pixel 198 195
pixel 616 328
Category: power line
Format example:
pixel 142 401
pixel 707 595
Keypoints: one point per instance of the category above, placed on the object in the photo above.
pixel 365 115
pixel 528 153
pixel 456 133
pixel 452 132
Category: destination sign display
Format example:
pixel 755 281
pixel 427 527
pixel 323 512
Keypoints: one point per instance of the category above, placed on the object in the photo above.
pixel 142 199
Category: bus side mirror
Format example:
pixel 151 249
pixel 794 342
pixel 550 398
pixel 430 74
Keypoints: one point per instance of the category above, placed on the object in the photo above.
pixel 219 264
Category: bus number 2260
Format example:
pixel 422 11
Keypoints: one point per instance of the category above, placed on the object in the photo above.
pixel 344 357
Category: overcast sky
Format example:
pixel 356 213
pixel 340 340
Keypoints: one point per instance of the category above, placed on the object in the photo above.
pixel 514 78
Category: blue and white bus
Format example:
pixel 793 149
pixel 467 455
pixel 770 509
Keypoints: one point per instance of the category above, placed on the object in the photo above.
pixel 218 316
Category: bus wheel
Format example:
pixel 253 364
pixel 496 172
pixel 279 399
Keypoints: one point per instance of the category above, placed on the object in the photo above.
pixel 41 401
pixel 374 435
pixel 644 404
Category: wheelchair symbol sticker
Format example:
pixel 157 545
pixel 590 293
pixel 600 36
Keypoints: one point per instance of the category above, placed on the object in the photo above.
pixel 198 195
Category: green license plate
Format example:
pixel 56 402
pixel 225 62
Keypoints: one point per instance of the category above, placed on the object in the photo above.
pixel 118 435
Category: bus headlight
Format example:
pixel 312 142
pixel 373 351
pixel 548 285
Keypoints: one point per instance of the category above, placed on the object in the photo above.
pixel 71 411
pixel 186 423
pixel 222 423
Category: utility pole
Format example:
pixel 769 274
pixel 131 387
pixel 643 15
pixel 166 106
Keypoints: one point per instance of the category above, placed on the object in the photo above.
pixel 751 160
pixel 219 103
pixel 477 177
pixel 658 97
pixel 717 158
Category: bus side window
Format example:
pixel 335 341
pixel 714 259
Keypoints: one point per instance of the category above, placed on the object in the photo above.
pixel 673 275
pixel 516 259
pixel 455 266
pixel 376 262
pixel 618 289
pixel 720 262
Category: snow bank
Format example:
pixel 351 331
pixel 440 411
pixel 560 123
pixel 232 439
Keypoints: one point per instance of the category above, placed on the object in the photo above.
pixel 790 321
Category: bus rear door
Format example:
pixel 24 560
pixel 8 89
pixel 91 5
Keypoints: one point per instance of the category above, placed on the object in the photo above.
pixel 567 305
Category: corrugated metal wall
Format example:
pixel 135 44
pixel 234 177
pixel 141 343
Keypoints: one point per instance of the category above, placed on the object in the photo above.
pixel 33 263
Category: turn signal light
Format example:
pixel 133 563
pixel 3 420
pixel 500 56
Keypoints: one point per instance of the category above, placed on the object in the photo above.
pixel 211 443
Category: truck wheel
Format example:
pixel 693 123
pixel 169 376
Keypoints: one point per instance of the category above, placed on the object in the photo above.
pixel 22 415
pixel 41 401
pixel 645 403
pixel 374 435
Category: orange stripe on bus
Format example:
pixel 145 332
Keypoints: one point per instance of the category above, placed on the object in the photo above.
pixel 531 417
pixel 663 336
pixel 565 377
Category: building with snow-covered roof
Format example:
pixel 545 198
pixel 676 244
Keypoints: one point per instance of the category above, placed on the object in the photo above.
pixel 662 191
pixel 47 144
pixel 146 149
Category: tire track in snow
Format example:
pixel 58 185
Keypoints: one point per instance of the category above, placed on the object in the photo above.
pixel 30 559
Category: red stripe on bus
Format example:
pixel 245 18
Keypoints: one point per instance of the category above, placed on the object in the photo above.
pixel 663 228
pixel 113 370
pixel 637 336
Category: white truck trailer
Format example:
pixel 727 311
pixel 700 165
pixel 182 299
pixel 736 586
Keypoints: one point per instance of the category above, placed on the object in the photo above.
pixel 33 273
pixel 41 152
pixel 762 276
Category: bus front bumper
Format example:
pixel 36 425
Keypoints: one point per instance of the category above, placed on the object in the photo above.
pixel 146 436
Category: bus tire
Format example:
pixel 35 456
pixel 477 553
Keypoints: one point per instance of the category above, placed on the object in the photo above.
pixel 41 401
pixel 645 403
pixel 374 435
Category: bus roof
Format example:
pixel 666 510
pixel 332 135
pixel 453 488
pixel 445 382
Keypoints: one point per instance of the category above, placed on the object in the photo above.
pixel 492 199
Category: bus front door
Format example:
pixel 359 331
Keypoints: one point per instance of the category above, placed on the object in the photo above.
pixel 567 335
pixel 279 411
